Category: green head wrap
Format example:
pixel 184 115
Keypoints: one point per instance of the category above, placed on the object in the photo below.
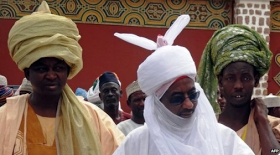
pixel 230 44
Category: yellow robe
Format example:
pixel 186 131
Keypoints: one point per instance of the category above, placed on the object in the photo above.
pixel 252 136
pixel 12 116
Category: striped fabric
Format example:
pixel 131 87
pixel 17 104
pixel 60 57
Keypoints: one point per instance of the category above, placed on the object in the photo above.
pixel 5 92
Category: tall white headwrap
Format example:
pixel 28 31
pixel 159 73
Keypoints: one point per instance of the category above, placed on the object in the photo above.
pixel 172 134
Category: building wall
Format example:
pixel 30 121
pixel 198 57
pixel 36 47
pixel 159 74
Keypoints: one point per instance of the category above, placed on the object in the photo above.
pixel 104 52
pixel 99 20
pixel 256 15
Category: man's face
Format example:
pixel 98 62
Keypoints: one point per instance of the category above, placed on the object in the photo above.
pixel 48 76
pixel 238 81
pixel 136 103
pixel 181 98
pixel 110 94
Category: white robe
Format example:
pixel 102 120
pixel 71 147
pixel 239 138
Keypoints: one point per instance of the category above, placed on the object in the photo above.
pixel 138 142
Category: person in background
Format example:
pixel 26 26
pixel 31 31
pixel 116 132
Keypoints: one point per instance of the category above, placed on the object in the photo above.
pixel 110 94
pixel 272 103
pixel 93 94
pixel 81 92
pixel 3 80
pixel 179 118
pixel 235 58
pixel 25 87
pixel 51 120
pixel 221 100
pixel 135 101
pixel 5 91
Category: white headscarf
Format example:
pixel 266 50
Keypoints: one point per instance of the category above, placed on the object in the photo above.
pixel 172 134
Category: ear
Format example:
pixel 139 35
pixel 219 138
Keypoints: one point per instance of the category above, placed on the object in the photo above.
pixel 257 80
pixel 220 78
pixel 26 73
pixel 100 96
pixel 128 103
pixel 121 93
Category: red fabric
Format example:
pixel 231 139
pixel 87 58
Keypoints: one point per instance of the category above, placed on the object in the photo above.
pixel 180 78
pixel 125 116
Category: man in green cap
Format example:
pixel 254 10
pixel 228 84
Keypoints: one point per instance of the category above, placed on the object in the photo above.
pixel 234 59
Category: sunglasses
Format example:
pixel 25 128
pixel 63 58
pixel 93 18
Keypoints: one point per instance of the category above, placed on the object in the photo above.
pixel 178 99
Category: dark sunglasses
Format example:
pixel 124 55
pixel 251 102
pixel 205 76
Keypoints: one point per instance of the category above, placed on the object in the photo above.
pixel 178 99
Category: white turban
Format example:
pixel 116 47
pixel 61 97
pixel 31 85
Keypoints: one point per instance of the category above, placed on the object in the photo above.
pixel 172 134
pixel 159 67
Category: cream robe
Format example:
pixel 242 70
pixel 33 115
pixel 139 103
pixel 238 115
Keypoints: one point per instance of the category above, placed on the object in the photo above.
pixel 11 115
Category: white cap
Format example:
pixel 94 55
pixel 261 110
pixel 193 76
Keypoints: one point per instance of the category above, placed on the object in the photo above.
pixel 3 80
pixel 131 88
pixel 271 101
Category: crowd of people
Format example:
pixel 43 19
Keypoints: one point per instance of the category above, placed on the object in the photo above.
pixel 176 108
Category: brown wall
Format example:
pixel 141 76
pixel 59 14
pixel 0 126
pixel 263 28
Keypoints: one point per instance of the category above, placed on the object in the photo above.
pixel 104 52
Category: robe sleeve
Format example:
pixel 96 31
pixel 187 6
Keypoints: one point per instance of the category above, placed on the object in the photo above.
pixel 110 136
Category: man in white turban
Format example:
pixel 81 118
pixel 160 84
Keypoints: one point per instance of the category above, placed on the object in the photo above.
pixel 51 120
pixel 179 118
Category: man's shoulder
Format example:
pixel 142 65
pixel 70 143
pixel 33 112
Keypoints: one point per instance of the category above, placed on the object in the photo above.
pixel 224 130
pixel 17 97
pixel 125 123
pixel 139 132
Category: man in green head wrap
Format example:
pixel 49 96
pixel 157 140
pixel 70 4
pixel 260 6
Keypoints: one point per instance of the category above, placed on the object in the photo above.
pixel 52 120
pixel 234 59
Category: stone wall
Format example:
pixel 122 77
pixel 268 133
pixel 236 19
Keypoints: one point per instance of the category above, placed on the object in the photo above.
pixel 256 15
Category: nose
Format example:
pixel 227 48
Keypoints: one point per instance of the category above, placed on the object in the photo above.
pixel 187 104
pixel 110 93
pixel 51 74
pixel 238 84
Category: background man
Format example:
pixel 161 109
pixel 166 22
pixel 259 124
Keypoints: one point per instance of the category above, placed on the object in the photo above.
pixel 110 94
pixel 272 103
pixel 25 87
pixel 135 101
pixel 5 91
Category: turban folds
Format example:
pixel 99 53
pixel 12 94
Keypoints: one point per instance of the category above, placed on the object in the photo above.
pixel 45 35
pixel 231 44
pixel 159 69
